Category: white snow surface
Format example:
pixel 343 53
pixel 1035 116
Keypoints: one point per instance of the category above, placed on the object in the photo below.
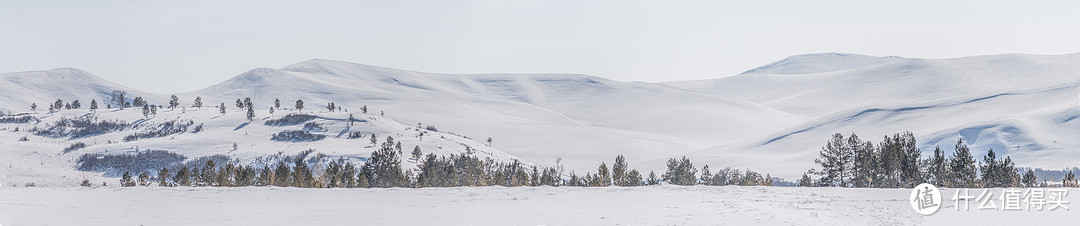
pixel 653 205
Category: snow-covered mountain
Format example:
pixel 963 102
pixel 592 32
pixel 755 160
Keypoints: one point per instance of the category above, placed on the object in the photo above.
pixel 772 118
pixel 1023 106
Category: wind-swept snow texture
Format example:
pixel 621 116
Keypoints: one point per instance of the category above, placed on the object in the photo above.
pixel 653 205
pixel 770 119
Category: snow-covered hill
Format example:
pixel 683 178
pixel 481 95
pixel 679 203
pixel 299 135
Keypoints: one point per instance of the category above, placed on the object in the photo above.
pixel 1023 106
pixel 44 161
pixel 772 118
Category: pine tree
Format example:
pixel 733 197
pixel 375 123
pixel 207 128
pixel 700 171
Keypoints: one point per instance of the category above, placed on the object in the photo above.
pixel 619 172
pixel 198 102
pixel 1029 179
pixel 603 175
pixel 277 103
pixel 353 119
pixel 33 106
pixel 299 105
pixel 330 107
pixel 363 109
pixel 126 180
pixel 833 159
pixel 1070 180
pixel 248 103
pixel 163 177
pixel 146 111
pixel 93 105
pixel 416 153
pixel 962 165
pixel 271 111
pixel 939 169
pixel 250 114
pixel 174 101
pixel 652 178
pixel 680 172
pixel 282 173
pixel 239 104
pixel 222 108
pixel 806 181
pixel 75 104
pixel 990 170
pixel 374 140
pixel 144 179
pixel 183 176
pixel 58 104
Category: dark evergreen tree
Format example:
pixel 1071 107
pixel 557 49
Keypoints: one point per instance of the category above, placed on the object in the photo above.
pixel 239 104
pixel 384 167
pixel 1029 179
pixel 144 179
pixel 222 108
pixel 183 177
pixel 939 169
pixel 93 105
pixel 833 159
pixel 174 101
pixel 363 109
pixel 277 103
pixel 146 111
pixel 962 166
pixel 33 106
pixel 163 177
pixel 126 180
pixel 299 105
pixel 416 153
pixel 250 114
pixel 806 181
pixel 75 104
pixel 282 173
pixel 619 172
pixel 680 172
pixel 198 102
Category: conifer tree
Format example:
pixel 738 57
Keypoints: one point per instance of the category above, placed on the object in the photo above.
pixel 299 105
pixel 619 172
pixel 833 159
pixel 126 180
pixel 163 177
pixel 939 169
pixel 33 106
pixel 174 101
pixel 93 105
pixel 144 179
pixel 962 166
pixel 250 114
pixel 652 178
pixel 75 104
pixel 416 153
pixel 222 108
pixel 198 102
pixel 1029 179
pixel 277 103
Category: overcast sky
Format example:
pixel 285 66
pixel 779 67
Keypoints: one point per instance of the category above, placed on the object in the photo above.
pixel 174 46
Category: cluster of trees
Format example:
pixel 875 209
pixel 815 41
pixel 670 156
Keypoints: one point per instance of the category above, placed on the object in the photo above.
pixel 384 169
pixel 896 162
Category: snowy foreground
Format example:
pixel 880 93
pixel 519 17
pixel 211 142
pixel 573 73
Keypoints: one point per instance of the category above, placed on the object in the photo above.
pixel 655 205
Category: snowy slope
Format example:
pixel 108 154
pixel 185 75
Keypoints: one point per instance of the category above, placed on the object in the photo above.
pixel 771 119
pixel 43 162
pixel 540 117
pixel 1023 106
pixel 20 89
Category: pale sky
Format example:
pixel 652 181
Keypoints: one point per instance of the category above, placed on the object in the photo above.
pixel 176 46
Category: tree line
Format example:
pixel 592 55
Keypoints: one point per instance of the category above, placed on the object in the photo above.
pixel 896 162
pixel 383 169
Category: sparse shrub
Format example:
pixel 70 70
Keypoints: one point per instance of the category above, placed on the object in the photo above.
pixel 74 147
pixel 290 120
pixel 297 136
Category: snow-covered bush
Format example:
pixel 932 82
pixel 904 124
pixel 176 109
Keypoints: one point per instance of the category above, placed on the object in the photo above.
pixel 18 119
pixel 116 164
pixel 161 130
pixel 79 127
pixel 74 147
pixel 297 136
pixel 290 120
